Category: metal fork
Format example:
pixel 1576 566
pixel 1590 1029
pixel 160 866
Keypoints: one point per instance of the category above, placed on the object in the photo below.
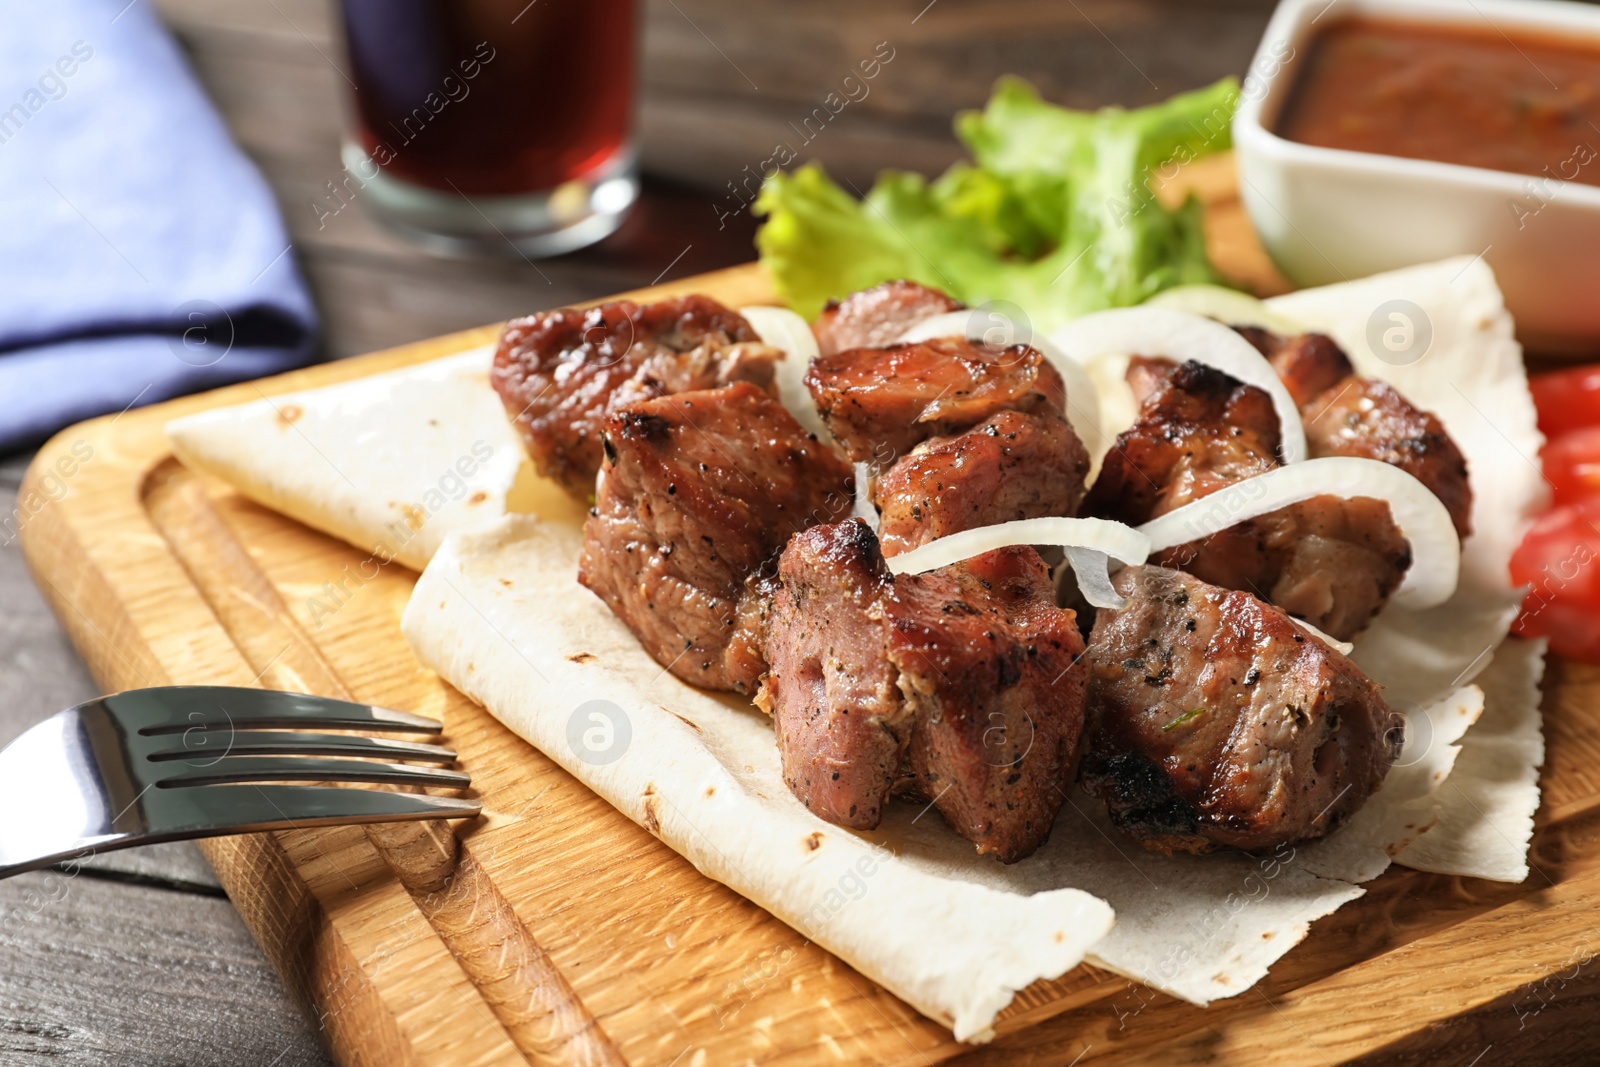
pixel 183 761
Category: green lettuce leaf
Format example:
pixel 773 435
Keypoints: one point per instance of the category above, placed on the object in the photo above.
pixel 1054 214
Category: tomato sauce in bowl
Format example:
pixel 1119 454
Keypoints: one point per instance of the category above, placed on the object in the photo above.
pixel 1452 93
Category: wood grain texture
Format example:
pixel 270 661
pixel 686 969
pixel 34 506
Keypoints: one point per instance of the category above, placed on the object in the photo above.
pixel 83 955
pixel 526 993
pixel 99 972
pixel 38 670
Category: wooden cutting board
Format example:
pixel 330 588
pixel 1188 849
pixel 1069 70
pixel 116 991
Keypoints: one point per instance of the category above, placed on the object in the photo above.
pixel 559 932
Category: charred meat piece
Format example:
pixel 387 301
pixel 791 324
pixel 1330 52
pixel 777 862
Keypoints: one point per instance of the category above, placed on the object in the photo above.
pixel 1145 375
pixel 1308 363
pixel 878 316
pixel 1348 415
pixel 963 687
pixel 1366 418
pixel 833 694
pixel 699 490
pixel 1013 465
pixel 559 373
pixel 745 659
pixel 881 402
pixel 1216 721
pixel 1198 430
pixel 995 677
pixel 1331 561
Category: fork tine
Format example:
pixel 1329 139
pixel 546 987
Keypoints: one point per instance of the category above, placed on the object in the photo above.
pixel 231 809
pixel 294 743
pixel 179 708
pixel 303 769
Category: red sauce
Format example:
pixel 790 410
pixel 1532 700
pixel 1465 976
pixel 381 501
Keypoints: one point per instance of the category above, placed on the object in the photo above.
pixel 491 96
pixel 1514 102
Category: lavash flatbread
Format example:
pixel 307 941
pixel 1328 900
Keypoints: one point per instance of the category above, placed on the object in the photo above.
pixel 1471 375
pixel 1199 928
pixel 1485 809
pixel 390 463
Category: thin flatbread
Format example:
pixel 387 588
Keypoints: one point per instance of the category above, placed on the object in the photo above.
pixel 1486 807
pixel 390 463
pixel 1440 334
pixel 1365 846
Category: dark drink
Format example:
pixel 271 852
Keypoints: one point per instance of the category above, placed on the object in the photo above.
pixel 508 112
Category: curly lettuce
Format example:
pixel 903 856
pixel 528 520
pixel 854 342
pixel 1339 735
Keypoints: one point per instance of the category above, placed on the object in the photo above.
pixel 1054 214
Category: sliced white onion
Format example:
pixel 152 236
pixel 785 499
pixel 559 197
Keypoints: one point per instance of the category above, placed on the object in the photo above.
pixel 1176 335
pixel 1100 537
pixel 996 330
pixel 1227 306
pixel 783 329
pixel 1092 569
pixel 1344 648
pixel 948 325
pixel 862 508
pixel 1423 520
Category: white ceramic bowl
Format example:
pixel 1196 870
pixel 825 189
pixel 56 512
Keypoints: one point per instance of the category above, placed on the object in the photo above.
pixel 1327 214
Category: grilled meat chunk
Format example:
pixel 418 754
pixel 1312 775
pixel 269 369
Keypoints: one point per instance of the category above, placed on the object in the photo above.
pixel 1216 721
pixel 559 373
pixel 879 403
pixel 745 659
pixel 834 696
pixel 878 316
pixel 1145 375
pixel 699 490
pixel 1366 418
pixel 1331 561
pixel 995 676
pixel 1198 431
pixel 1013 465
pixel 963 687
pixel 1309 363
pixel 1348 415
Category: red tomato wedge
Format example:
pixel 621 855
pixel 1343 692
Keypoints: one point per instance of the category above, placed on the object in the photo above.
pixel 1559 559
pixel 1567 399
pixel 1572 465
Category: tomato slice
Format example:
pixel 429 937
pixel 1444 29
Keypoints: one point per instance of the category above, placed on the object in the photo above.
pixel 1559 559
pixel 1573 632
pixel 1567 399
pixel 1572 465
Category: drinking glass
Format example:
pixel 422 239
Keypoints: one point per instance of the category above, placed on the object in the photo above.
pixel 491 125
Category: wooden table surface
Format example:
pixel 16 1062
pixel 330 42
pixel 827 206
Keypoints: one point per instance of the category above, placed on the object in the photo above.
pixel 139 958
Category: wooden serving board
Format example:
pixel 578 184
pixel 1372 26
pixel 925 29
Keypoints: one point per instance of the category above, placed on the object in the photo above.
pixel 559 932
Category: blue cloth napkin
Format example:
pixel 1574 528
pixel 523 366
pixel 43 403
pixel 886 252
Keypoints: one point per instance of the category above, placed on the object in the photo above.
pixel 141 254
